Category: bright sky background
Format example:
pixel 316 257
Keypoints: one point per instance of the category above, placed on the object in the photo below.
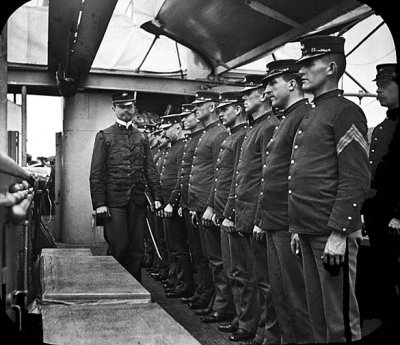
pixel 44 120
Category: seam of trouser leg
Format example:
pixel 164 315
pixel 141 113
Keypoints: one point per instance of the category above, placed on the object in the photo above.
pixel 346 295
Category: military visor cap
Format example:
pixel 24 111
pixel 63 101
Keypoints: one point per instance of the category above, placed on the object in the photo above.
pixel 386 71
pixel 152 126
pixel 279 67
pixel 169 120
pixel 227 98
pixel 156 132
pixel 252 82
pixel 205 96
pixel 316 46
pixel 186 109
pixel 124 97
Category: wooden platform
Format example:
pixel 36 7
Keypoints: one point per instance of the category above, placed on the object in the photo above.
pixel 66 252
pixel 86 279
pixel 146 324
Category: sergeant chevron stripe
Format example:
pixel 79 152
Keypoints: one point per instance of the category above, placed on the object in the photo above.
pixel 352 134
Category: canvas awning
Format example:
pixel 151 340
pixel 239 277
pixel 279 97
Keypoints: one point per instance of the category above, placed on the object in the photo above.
pixel 230 33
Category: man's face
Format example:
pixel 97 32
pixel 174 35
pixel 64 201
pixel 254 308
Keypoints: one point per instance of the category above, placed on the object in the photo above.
pixel 172 132
pixel 163 139
pixel 227 115
pixel 190 121
pixel 313 74
pixel 278 92
pixel 252 101
pixel 154 139
pixel 203 110
pixel 388 93
pixel 124 112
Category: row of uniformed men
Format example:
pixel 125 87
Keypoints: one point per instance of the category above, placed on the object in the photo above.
pixel 266 205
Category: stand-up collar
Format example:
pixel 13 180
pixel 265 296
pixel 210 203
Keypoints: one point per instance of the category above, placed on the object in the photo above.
pixel 237 127
pixel 393 114
pixel 123 123
pixel 326 95
pixel 294 106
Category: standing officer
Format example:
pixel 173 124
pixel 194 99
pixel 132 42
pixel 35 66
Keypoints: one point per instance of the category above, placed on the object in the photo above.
pixel 233 117
pixel 252 259
pixel 161 271
pixel 328 179
pixel 285 271
pixel 381 209
pixel 174 224
pixel 121 166
pixel 200 181
pixel 204 288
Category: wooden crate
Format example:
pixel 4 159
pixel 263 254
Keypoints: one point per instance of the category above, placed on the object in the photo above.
pixel 88 279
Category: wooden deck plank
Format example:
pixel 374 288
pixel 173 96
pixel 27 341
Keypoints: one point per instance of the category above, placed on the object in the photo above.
pixel 67 252
pixel 146 324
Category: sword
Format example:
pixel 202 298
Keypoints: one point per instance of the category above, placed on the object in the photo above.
pixel 152 239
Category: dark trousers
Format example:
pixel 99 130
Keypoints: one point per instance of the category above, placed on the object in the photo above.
pixel 268 331
pixel 331 300
pixel 288 290
pixel 204 289
pixel 211 244
pixel 149 250
pixel 161 265
pixel 175 228
pixel 169 265
pixel 244 288
pixel 124 233
pixel 384 269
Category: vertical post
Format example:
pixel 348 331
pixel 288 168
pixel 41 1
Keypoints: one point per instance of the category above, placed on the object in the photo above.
pixel 24 126
pixel 3 91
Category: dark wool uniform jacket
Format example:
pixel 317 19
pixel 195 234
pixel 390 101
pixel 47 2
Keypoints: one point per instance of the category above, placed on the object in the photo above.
pixel 180 194
pixel 246 183
pixel 384 202
pixel 381 137
pixel 224 169
pixel 329 170
pixel 159 157
pixel 204 159
pixel 169 169
pixel 121 167
pixel 272 210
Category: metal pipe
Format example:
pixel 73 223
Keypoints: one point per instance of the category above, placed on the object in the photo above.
pixel 179 60
pixel 355 80
pixel 365 38
pixel 26 256
pixel 359 94
pixel 24 126
pixel 148 52
pixel 3 90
